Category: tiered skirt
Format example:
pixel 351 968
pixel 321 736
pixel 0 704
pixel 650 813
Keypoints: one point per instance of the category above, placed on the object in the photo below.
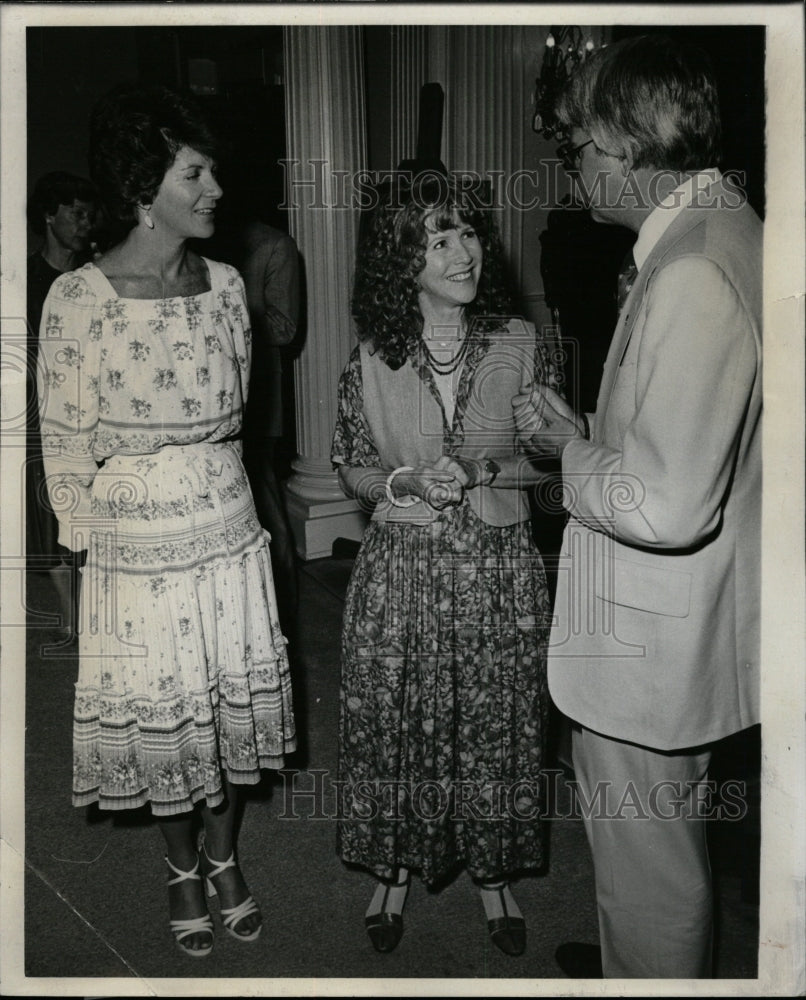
pixel 183 671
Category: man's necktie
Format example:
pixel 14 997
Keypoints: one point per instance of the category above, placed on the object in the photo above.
pixel 626 279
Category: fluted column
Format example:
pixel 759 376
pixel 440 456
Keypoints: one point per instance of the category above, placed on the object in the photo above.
pixel 326 141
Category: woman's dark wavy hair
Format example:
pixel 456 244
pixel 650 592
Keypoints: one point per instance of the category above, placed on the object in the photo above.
pixel 391 255
pixel 135 134
pixel 54 189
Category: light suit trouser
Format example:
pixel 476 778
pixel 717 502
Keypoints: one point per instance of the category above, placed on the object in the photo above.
pixel 648 838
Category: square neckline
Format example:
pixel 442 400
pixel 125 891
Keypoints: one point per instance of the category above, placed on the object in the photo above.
pixel 164 298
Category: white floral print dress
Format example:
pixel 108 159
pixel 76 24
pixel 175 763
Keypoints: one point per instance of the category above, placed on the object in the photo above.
pixel 183 673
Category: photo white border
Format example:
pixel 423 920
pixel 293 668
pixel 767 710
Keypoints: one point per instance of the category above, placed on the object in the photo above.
pixel 782 953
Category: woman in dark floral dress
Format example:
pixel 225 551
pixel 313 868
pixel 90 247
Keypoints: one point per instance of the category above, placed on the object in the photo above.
pixel 443 701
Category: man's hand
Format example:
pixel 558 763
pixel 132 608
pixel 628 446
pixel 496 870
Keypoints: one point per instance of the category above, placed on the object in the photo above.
pixel 544 421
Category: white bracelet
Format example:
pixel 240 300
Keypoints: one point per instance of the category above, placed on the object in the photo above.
pixel 390 495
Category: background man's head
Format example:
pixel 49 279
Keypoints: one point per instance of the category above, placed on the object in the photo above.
pixel 62 209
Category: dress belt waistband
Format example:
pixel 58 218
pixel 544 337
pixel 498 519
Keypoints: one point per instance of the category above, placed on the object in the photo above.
pixel 202 463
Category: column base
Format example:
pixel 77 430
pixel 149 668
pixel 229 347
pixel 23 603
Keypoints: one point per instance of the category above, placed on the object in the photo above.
pixel 316 524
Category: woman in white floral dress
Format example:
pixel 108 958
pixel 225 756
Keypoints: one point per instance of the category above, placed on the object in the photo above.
pixel 183 690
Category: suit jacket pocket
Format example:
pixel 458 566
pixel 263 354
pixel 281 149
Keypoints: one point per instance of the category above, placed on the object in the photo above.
pixel 646 588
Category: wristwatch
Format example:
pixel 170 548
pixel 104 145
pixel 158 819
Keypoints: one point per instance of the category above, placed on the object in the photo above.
pixel 492 467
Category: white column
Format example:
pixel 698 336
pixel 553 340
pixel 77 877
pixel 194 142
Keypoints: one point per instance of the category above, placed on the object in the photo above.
pixel 326 134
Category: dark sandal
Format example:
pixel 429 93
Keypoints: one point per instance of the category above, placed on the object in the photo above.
pixel 508 933
pixel 385 929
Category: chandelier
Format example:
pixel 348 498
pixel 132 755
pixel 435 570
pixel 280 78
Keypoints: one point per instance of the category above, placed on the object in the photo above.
pixel 563 52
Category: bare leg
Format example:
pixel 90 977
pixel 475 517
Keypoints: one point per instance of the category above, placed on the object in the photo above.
pixel 185 898
pixel 495 901
pixel 218 846
pixel 391 895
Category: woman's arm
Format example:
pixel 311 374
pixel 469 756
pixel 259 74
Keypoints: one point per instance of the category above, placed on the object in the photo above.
pixel 519 471
pixel 239 325
pixel 663 484
pixel 441 485
pixel 361 472
pixel 69 392
pixel 513 472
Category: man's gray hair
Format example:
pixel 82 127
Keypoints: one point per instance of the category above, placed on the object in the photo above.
pixel 648 96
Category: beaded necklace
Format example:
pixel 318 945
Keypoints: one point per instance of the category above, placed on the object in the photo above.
pixel 445 367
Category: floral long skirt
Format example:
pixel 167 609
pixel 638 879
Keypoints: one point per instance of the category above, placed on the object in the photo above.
pixel 444 700
pixel 183 674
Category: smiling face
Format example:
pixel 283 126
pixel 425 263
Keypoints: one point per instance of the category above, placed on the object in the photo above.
pixel 184 206
pixel 453 260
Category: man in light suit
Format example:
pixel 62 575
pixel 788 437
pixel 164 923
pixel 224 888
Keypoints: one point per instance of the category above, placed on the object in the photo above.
pixel 655 647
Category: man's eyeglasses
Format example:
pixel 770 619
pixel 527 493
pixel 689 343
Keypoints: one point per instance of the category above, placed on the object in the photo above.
pixel 570 154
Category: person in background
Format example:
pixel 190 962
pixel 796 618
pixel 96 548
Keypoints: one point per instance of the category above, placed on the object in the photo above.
pixel 268 261
pixel 443 694
pixel 183 690
pixel 655 644
pixel 61 210
pixel 579 264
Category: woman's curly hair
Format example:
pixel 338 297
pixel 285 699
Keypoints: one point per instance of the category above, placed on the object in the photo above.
pixel 135 134
pixel 391 256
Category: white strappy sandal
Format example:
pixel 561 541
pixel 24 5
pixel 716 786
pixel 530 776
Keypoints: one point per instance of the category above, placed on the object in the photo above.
pixel 232 916
pixel 182 929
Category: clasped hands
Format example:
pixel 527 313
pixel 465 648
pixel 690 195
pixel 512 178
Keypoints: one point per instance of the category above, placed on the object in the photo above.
pixel 544 421
pixel 441 484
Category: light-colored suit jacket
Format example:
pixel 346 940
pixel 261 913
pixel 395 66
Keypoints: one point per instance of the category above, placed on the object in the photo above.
pixel 656 629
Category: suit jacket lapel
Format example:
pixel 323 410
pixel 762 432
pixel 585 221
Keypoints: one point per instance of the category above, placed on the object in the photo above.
pixel 684 222
pixel 618 345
